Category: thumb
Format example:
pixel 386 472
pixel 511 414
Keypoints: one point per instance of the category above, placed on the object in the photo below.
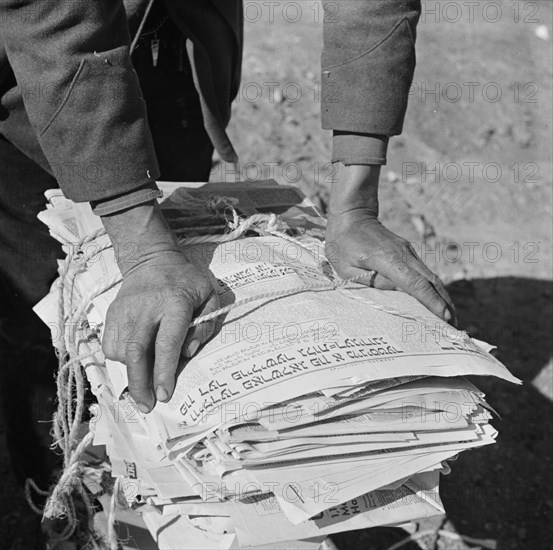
pixel 199 334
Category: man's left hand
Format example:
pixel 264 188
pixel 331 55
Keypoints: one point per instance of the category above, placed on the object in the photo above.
pixel 357 243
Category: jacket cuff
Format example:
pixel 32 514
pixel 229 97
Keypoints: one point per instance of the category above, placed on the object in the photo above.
pixel 354 148
pixel 144 194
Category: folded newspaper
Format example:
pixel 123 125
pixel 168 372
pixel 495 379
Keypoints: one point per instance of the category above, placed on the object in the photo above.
pixel 318 406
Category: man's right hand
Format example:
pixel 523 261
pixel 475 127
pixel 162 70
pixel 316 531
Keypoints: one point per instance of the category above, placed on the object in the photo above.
pixel 147 325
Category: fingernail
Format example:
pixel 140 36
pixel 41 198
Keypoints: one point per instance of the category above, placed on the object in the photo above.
pixel 192 347
pixel 143 408
pixel 447 315
pixel 161 394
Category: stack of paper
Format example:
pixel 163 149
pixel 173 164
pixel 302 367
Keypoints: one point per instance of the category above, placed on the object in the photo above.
pixel 316 408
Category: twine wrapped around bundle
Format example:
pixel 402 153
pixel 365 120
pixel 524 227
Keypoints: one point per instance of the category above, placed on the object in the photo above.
pixel 70 376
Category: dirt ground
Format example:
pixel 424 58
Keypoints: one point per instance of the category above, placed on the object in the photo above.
pixel 470 182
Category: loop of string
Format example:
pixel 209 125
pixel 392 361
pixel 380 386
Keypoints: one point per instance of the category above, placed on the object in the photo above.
pixel 31 486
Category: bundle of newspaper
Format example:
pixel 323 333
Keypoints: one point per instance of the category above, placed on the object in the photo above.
pixel 317 407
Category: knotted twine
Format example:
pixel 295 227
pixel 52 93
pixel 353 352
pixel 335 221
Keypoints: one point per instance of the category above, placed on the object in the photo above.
pixel 72 320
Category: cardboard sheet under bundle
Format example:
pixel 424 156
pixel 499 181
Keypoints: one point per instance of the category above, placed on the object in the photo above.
pixel 315 408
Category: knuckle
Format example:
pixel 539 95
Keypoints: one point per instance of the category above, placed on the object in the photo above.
pixel 420 284
pixel 135 353
pixel 174 301
pixel 164 379
pixel 396 262
pixel 365 259
pixel 436 281
pixel 168 340
pixel 434 300
pixel 406 250
pixel 438 303
pixel 166 359
pixel 138 392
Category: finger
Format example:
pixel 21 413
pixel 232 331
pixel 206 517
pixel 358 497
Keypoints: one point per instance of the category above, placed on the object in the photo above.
pixel 367 278
pixel 139 359
pixel 169 341
pixel 381 283
pixel 418 286
pixel 440 288
pixel 416 263
pixel 201 333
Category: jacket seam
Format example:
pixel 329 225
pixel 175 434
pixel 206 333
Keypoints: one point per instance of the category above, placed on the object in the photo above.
pixel 66 98
pixel 375 46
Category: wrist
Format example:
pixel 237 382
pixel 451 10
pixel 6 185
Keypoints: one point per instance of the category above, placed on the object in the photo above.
pixel 355 189
pixel 358 148
pixel 137 233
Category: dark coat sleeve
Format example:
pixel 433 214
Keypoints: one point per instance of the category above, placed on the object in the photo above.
pixel 368 63
pixel 85 104
pixel 215 32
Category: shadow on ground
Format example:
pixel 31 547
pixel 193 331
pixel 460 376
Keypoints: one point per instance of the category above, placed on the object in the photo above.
pixel 505 491
pixel 502 492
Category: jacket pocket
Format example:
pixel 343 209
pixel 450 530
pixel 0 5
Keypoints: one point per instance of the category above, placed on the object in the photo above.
pixel 66 97
pixel 400 30
pixel 369 92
